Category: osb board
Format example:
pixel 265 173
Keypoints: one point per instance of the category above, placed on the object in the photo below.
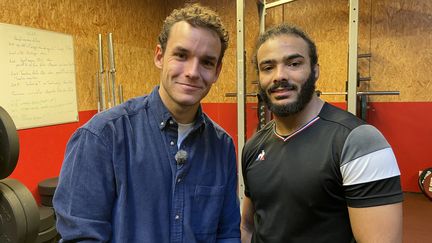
pixel 396 33
pixel 401 48
pixel 135 25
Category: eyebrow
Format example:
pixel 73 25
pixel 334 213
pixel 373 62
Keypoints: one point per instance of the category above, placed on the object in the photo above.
pixel 180 49
pixel 206 57
pixel 285 58
pixel 293 56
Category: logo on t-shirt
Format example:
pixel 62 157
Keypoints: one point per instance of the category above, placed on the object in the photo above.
pixel 261 155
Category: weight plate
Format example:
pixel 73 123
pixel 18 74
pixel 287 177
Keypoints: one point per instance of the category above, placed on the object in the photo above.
pixel 46 201
pixel 47 235
pixel 47 187
pixel 9 144
pixel 46 218
pixel 422 176
pixel 29 206
pixel 13 224
pixel 427 185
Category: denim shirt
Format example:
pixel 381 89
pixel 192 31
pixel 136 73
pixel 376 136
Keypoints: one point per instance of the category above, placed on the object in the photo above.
pixel 120 181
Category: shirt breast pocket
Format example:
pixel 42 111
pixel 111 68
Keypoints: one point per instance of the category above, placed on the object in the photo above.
pixel 206 209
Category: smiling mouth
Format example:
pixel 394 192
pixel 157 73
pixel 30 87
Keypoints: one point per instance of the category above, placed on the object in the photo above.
pixel 282 93
pixel 189 86
pixel 282 90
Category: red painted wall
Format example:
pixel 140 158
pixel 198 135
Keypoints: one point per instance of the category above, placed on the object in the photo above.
pixel 42 150
pixel 407 127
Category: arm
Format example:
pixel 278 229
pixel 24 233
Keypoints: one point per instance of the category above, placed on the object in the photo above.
pixel 228 229
pixel 381 224
pixel 371 180
pixel 85 193
pixel 247 221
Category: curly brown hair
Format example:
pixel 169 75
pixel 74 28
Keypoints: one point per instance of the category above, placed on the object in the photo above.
pixel 197 16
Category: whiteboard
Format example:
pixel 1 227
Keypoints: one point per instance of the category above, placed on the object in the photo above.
pixel 37 76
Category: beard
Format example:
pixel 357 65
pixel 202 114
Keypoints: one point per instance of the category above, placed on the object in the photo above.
pixel 306 92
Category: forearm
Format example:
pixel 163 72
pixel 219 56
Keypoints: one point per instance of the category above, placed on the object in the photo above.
pixel 246 233
pixel 247 221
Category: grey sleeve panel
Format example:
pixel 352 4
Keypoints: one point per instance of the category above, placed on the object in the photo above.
pixel 367 156
pixel 362 140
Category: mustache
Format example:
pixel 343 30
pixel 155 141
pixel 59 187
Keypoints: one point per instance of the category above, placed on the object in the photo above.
pixel 284 84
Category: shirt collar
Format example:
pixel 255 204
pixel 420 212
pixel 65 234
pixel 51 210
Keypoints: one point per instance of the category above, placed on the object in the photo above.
pixel 163 115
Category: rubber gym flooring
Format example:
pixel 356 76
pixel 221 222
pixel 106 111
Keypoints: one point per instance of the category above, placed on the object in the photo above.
pixel 417 216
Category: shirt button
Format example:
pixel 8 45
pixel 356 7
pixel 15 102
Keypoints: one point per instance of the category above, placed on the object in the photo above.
pixel 179 180
pixel 162 123
pixel 172 143
pixel 171 122
pixel 177 217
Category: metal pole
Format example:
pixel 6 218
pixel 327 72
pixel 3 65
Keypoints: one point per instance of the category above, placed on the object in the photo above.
pixel 101 85
pixel 98 93
pixel 352 57
pixel 241 100
pixel 359 93
pixel 112 70
pixel 120 94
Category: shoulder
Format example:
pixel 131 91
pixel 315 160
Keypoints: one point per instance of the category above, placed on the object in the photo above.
pixel 364 140
pixel 213 127
pixel 260 136
pixel 339 117
pixel 113 117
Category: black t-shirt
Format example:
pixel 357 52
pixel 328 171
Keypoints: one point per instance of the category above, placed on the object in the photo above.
pixel 301 185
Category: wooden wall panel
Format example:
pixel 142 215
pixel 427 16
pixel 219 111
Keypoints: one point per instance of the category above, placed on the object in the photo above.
pixel 401 48
pixel 396 33
pixel 135 25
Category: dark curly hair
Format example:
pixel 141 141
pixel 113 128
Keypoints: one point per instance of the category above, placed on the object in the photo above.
pixel 197 16
pixel 286 29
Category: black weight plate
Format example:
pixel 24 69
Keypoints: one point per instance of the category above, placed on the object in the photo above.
pixel 9 144
pixel 46 200
pixel 427 186
pixel 13 224
pixel 47 187
pixel 46 218
pixel 47 235
pixel 29 205
pixel 422 176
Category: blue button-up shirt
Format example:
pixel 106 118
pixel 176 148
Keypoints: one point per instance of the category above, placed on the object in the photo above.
pixel 120 181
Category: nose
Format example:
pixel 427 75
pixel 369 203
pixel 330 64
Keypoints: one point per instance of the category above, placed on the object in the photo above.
pixel 280 74
pixel 192 68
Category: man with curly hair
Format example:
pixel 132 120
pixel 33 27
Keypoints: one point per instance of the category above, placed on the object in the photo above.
pixel 315 173
pixel 156 168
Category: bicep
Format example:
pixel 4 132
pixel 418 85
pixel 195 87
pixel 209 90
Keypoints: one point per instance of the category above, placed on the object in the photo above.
pixel 377 224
